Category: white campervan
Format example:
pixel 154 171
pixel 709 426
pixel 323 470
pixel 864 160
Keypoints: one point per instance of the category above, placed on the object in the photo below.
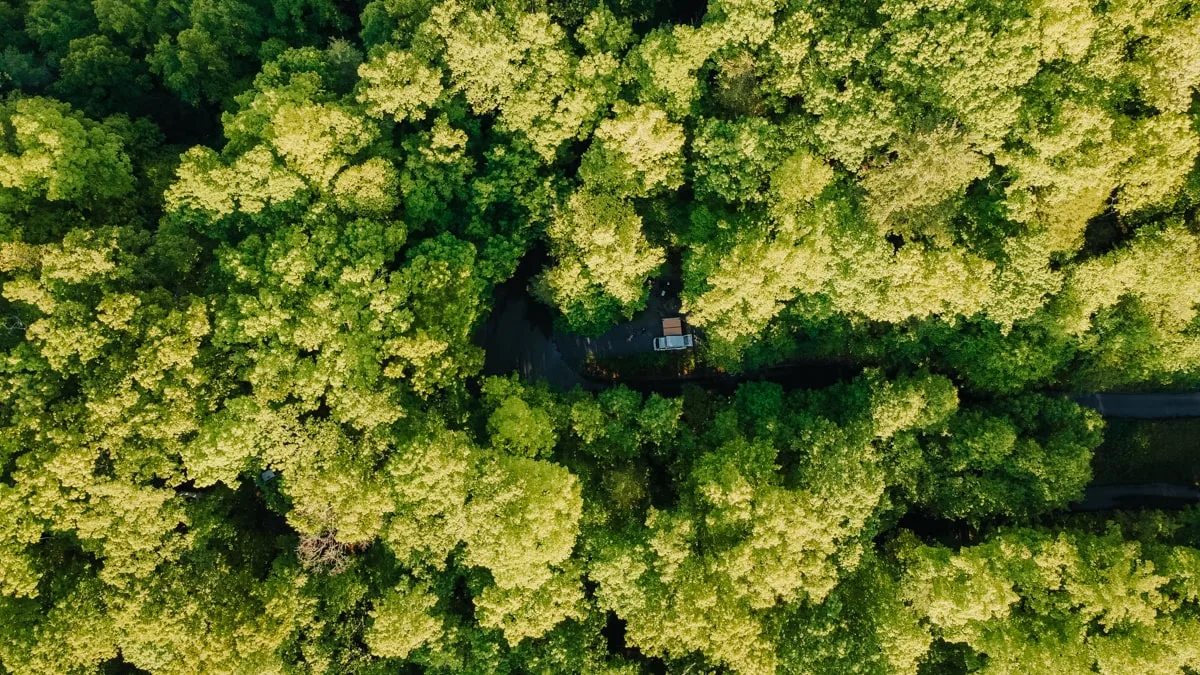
pixel 673 337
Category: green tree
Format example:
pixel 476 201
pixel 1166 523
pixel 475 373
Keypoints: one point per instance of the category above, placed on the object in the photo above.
pixel 928 169
pixel 520 65
pixel 397 84
pixel 1021 458
pixel 52 151
pixel 402 621
pixel 636 153
pixel 602 261
pixel 1070 601
pixel 522 519
pixel 734 160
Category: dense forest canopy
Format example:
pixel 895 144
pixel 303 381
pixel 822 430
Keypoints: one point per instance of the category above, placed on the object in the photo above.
pixel 247 247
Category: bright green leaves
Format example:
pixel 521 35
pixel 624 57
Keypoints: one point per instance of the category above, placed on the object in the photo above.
pixel 1163 151
pixel 636 153
pixel 665 64
pixel 317 141
pixel 322 278
pixel 132 528
pixel 964 59
pixel 670 603
pixel 522 520
pixel 602 261
pixel 1063 174
pixel 210 616
pixel 429 476
pixel 521 65
pixel 1134 270
pixel 800 178
pixel 602 31
pixel 517 428
pixel 289 143
pixel 336 324
pixel 736 283
pixel 135 356
pixel 912 282
pixel 917 402
pixel 765 520
pixel 320 310
pixel 928 169
pixel 735 159
pixel 238 424
pixel 1023 457
pixel 748 284
pixel 101 384
pixel 51 277
pixel 954 595
pixel 19 575
pixel 50 151
pixel 1166 62
pixel 1136 305
pixel 445 295
pixel 434 173
pixel 733 22
pixel 1030 600
pixel 1071 165
pixel 369 188
pixel 402 621
pixel 252 183
pixel 330 479
pixel 531 612
pixel 1067 28
pixel 398 85
pixel 863 627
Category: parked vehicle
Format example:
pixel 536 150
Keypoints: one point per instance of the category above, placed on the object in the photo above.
pixel 673 342
pixel 673 337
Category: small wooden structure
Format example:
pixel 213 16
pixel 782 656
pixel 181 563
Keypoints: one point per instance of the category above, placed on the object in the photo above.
pixel 673 326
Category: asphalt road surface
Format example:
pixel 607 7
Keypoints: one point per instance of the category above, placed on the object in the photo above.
pixel 1143 406
pixel 1149 495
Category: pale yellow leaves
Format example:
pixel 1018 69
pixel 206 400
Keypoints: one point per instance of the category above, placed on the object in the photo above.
pixel 522 519
pixel 1159 267
pixel 318 140
pixel 636 153
pixel 604 236
pixel 1163 151
pixel 929 168
pixel 252 183
pixel 402 621
pixel 530 613
pixel 370 188
pixel 752 280
pixel 398 85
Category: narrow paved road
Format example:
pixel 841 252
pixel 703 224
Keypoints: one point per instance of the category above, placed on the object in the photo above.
pixel 1148 495
pixel 631 337
pixel 1143 406
pixel 519 337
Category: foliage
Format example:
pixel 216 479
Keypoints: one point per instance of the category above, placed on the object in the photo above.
pixel 249 250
